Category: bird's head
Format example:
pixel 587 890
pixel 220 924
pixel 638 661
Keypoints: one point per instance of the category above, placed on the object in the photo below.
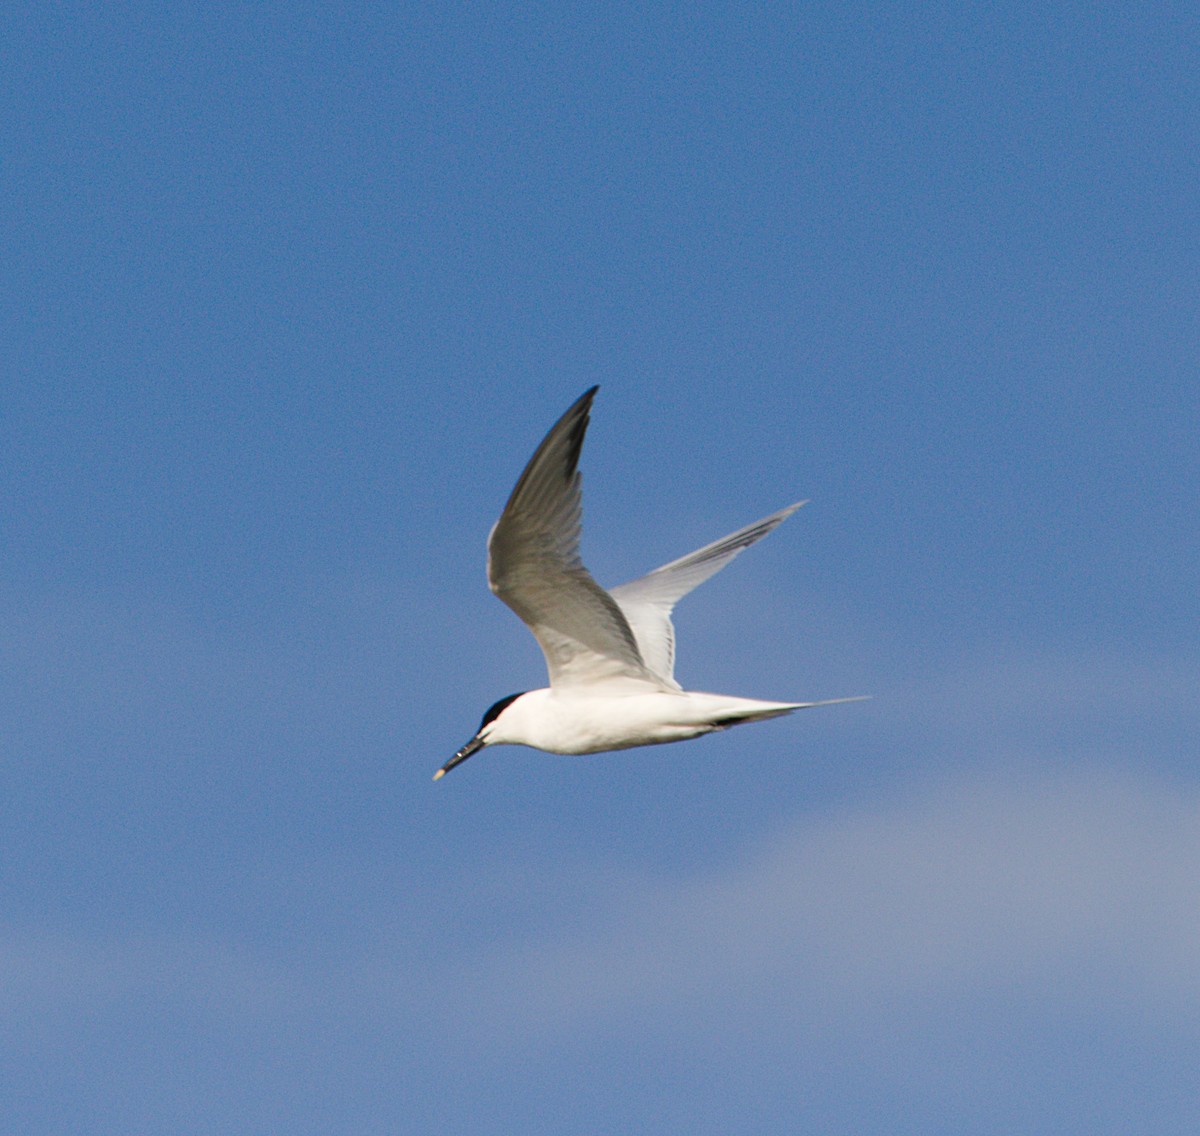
pixel 490 732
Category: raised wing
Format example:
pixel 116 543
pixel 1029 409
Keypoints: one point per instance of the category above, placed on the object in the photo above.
pixel 647 602
pixel 534 567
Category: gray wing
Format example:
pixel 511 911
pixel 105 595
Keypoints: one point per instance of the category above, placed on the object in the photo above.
pixel 534 566
pixel 647 602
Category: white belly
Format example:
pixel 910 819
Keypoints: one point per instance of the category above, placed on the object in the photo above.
pixel 588 722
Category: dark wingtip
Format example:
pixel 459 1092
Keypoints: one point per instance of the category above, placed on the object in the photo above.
pixel 569 429
pixel 580 411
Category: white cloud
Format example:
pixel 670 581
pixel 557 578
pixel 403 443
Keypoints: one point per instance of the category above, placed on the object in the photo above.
pixel 1083 876
pixel 972 884
pixel 1086 886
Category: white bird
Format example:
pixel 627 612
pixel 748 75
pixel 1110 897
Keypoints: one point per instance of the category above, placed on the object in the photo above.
pixel 610 654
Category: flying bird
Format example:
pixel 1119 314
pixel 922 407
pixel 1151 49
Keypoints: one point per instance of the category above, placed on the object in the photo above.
pixel 610 654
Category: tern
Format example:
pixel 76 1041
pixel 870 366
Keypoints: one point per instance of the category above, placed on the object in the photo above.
pixel 610 654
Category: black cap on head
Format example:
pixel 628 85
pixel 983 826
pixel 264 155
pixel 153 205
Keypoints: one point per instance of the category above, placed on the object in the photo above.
pixel 497 708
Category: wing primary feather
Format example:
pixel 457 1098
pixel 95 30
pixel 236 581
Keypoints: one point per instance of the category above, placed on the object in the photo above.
pixel 559 451
pixel 648 601
pixel 534 565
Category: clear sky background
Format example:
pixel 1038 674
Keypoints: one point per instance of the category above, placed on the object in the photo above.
pixel 289 295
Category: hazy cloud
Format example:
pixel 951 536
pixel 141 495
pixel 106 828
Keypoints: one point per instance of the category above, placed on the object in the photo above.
pixel 968 884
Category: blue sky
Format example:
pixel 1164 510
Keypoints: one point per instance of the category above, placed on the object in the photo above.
pixel 290 293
